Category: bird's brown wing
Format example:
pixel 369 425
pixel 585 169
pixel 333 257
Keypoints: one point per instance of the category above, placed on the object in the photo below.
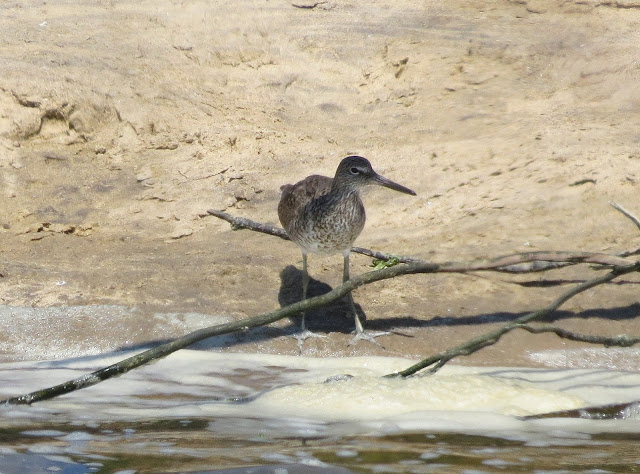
pixel 295 197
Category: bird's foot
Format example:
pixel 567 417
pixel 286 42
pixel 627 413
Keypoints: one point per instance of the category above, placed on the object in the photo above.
pixel 303 336
pixel 368 336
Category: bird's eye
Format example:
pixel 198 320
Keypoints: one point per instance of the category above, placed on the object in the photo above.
pixel 354 170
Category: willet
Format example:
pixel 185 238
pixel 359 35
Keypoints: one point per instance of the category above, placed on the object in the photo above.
pixel 325 215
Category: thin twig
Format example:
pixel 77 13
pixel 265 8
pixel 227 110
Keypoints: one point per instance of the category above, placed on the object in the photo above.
pixel 621 340
pixel 626 213
pixel 238 223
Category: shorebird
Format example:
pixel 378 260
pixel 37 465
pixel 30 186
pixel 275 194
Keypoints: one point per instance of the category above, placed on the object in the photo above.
pixel 325 216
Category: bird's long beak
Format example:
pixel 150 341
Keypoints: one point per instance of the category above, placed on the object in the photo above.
pixel 387 183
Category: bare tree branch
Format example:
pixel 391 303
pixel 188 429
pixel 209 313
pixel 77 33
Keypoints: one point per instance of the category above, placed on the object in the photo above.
pixel 614 411
pixel 621 340
pixel 626 213
pixel 487 339
pixel 508 263
pixel 238 223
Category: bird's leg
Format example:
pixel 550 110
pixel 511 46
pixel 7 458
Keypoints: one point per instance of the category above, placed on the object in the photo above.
pixel 360 332
pixel 305 287
pixel 345 278
pixel 304 332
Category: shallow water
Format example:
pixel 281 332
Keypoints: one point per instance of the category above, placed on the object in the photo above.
pixel 206 411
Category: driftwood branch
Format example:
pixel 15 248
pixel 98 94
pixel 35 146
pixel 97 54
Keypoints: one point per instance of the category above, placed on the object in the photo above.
pixel 490 338
pixel 239 223
pixel 633 219
pixel 534 261
pixel 614 411
pixel 621 340
pixel 509 265
pixel 626 213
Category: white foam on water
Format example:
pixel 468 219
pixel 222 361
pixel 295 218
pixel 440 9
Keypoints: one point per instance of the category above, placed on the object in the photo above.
pixel 292 393
pixel 369 397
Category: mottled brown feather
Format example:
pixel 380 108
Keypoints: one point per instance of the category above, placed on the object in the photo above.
pixel 295 197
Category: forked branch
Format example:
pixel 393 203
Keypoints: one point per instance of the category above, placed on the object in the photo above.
pixel 517 263
pixel 487 339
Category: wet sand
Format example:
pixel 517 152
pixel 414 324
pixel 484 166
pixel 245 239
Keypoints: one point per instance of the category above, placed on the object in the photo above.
pixel 122 123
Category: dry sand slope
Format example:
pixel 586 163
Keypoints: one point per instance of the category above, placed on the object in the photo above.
pixel 122 122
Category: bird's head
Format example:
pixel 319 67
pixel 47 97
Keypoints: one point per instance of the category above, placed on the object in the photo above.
pixel 355 171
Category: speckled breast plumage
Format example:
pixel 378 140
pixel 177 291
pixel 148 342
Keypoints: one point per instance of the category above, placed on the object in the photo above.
pixel 320 221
